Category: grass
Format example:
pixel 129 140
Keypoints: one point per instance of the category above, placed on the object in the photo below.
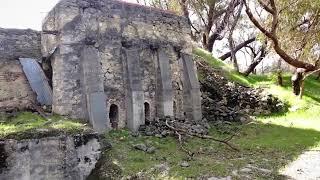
pixel 262 145
pixel 221 66
pixel 29 125
pixel 304 113
pixel 269 142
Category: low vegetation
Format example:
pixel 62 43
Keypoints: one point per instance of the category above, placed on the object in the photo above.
pixel 268 143
pixel 30 125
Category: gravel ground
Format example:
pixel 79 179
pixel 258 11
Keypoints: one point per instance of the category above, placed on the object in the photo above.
pixel 305 167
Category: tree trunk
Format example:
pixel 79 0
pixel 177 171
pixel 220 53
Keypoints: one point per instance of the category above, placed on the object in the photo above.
pixel 301 89
pixel 318 65
pixel 211 38
pixel 279 77
pixel 257 61
pixel 279 74
pixel 271 34
pixel 237 48
pixel 233 53
pixel 252 67
pixel 297 81
pixel 231 42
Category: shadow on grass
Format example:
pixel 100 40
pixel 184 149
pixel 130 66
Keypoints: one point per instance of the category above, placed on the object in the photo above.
pixel 265 146
pixel 273 146
pixel 312 89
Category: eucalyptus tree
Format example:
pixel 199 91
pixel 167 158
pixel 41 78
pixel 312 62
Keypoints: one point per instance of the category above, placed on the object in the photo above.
pixel 293 26
pixel 210 20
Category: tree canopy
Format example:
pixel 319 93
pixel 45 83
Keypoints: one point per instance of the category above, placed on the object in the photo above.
pixel 293 27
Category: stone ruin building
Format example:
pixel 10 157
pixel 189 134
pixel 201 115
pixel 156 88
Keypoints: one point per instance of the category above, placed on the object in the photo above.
pixel 109 62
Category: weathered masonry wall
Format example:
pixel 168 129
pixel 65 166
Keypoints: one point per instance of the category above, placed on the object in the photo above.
pixel 17 43
pixel 15 91
pixel 63 158
pixel 140 54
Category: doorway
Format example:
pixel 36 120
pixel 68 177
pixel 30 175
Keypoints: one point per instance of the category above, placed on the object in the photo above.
pixel 147 114
pixel 114 116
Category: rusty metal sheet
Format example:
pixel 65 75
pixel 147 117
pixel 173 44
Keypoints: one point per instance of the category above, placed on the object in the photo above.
pixel 37 80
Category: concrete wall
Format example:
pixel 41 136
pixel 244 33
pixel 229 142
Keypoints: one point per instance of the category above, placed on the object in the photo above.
pixel 54 158
pixel 15 91
pixel 152 39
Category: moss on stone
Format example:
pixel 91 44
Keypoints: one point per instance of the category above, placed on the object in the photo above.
pixel 28 125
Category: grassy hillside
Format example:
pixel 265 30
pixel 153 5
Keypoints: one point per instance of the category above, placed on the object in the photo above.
pixel 269 143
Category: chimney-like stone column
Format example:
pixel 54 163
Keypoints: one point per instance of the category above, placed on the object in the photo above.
pixel 191 88
pixel 92 84
pixel 135 94
pixel 164 85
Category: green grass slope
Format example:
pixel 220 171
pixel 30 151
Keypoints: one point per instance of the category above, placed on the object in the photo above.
pixel 303 113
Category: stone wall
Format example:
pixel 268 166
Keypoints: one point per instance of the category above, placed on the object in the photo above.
pixel 16 43
pixel 56 158
pixel 140 51
pixel 15 91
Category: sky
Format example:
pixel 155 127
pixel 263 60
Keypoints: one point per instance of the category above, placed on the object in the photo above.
pixel 24 14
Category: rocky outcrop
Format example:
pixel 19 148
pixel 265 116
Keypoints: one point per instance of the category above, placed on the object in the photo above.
pixel 56 158
pixel 223 100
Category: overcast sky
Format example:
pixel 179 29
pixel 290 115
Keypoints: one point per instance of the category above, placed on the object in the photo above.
pixel 23 14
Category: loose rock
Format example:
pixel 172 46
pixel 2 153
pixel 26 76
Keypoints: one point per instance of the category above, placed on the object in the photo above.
pixel 184 164
pixel 223 100
pixel 141 147
pixel 151 150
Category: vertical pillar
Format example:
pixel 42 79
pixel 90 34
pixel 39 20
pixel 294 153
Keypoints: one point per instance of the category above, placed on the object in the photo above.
pixel 164 85
pixel 92 84
pixel 135 94
pixel 191 88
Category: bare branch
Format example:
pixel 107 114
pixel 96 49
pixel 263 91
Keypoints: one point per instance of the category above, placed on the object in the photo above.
pixel 265 6
pixel 203 136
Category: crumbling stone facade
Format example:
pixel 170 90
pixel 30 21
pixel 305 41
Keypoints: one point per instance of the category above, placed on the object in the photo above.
pixel 119 64
pixel 15 91
pixel 64 157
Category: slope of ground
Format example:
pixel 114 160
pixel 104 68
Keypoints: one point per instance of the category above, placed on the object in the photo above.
pixel 267 145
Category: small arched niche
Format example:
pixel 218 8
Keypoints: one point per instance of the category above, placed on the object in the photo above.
pixel 147 114
pixel 114 116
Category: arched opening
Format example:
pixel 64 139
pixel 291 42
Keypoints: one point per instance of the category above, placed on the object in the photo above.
pixel 147 114
pixel 114 116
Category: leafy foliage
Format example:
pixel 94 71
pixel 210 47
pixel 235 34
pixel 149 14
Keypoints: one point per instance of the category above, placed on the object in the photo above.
pixel 299 28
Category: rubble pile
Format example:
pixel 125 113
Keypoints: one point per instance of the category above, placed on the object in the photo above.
pixel 164 127
pixel 223 100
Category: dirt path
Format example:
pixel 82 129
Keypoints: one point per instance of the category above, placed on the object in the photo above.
pixel 305 167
